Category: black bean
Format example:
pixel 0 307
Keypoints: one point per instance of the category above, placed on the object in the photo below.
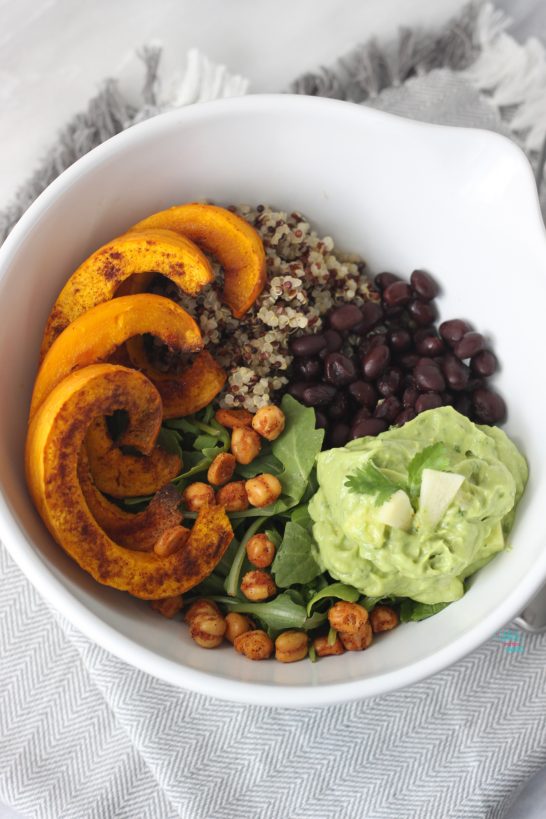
pixel 344 317
pixel 427 401
pixel 308 369
pixel 424 285
pixel 297 389
pixel 430 346
pixel 334 341
pixel 392 313
pixel 422 312
pixel 339 435
pixel 409 361
pixel 484 363
pixel 470 344
pixel 307 345
pixel 363 393
pixel 410 396
pixel 423 332
pixel 463 404
pixel 321 422
pixel 339 407
pixel 382 280
pixel 375 361
pixel 372 426
pixel 453 330
pixel 372 313
pixel 319 395
pixel 373 340
pixel 447 399
pixel 388 409
pixel 399 340
pixel 428 376
pixel 489 406
pixel 339 370
pixel 397 294
pixel 390 383
pixel 361 415
pixel 456 373
pixel 407 414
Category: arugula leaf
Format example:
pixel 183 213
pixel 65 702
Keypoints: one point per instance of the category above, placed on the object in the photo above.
pixel 182 424
pixel 341 591
pixel 369 480
pixel 431 457
pixel 370 602
pixel 412 611
pixel 274 537
pixel 312 653
pixel 317 619
pixel 295 561
pixel 332 636
pixel 301 516
pixel 169 440
pixel 277 614
pixel 265 462
pixel 232 580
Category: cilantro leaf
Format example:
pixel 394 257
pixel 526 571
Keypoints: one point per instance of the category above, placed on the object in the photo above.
pixel 369 480
pixel 434 456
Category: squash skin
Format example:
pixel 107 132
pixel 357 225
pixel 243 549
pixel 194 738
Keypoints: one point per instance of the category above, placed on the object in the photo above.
pixel 99 276
pixel 96 334
pixel 228 237
pixel 54 442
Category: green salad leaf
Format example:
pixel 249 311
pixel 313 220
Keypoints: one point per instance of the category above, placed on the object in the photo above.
pixel 296 449
pixel 434 456
pixel 369 480
pixel 341 591
pixel 265 462
pixel 169 440
pixel 371 602
pixel 412 611
pixel 277 614
pixel 296 558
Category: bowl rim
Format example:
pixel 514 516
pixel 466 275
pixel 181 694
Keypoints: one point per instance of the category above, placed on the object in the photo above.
pixel 57 594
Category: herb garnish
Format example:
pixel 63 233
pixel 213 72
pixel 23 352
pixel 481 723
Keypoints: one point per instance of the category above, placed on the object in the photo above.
pixel 369 480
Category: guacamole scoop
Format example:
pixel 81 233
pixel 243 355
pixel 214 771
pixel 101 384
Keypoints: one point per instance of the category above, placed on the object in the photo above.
pixel 427 563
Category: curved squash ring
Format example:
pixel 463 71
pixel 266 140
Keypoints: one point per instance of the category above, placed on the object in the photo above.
pixel 232 240
pixel 97 279
pixel 54 441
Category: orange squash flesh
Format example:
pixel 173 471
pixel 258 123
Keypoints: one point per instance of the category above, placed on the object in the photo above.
pixel 121 475
pixel 99 276
pixel 97 333
pixel 232 240
pixel 54 442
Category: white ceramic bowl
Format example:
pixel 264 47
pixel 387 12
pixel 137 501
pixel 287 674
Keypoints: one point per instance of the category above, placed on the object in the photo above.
pixel 460 203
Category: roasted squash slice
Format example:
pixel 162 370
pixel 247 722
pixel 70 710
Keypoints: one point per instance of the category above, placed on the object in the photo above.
pixel 93 336
pixel 121 475
pixel 232 240
pixel 139 531
pixel 98 278
pixel 54 442
pixel 186 392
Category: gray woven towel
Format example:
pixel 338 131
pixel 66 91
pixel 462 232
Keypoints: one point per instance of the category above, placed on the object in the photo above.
pixel 83 735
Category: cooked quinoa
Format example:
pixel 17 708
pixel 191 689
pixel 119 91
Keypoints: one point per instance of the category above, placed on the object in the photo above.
pixel 306 276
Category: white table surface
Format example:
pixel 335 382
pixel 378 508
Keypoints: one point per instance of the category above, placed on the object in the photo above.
pixel 54 53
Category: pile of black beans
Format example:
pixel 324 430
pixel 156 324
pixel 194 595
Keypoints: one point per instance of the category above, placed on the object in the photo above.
pixel 383 363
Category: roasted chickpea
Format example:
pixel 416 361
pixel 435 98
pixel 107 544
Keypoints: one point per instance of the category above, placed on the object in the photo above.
pixel 245 444
pixel 208 630
pixel 359 641
pixel 221 469
pixel 200 608
pixel 291 646
pixel 260 551
pixel 197 495
pixel 233 496
pixel 383 618
pixel 269 422
pixel 263 490
pixel 237 624
pixel 233 418
pixel 258 586
pixel 171 540
pixel 323 649
pixel 255 645
pixel 347 617
pixel 169 606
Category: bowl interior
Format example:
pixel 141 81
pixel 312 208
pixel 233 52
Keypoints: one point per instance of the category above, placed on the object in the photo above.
pixel 401 194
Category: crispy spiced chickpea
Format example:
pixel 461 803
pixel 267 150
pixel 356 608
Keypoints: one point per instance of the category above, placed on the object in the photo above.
pixel 169 606
pixel 245 444
pixel 291 646
pixel 237 624
pixel 260 551
pixel 171 540
pixel 233 418
pixel 323 649
pixel 258 586
pixel 383 618
pixel 347 617
pixel 208 630
pixel 221 469
pixel 358 641
pixel 269 422
pixel 197 495
pixel 263 490
pixel 200 608
pixel 256 645
pixel 233 496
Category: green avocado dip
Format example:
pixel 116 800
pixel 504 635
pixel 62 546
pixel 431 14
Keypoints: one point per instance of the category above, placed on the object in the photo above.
pixel 417 557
